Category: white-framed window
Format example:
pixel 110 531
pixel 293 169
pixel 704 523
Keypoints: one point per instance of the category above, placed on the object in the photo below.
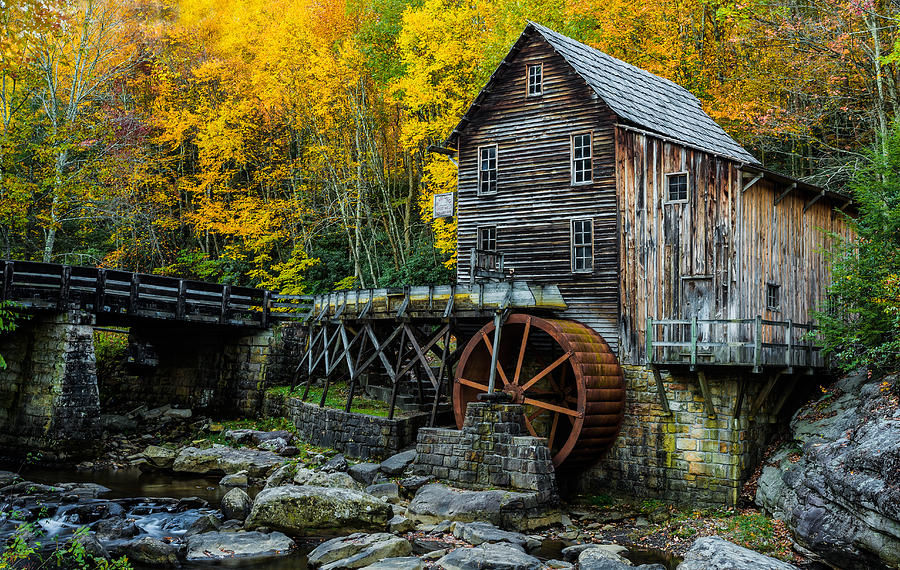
pixel 582 163
pixel 582 245
pixel 487 169
pixel 773 296
pixel 535 76
pixel 677 187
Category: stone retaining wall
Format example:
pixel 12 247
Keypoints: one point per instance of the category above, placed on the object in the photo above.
pixel 356 435
pixel 684 457
pixel 489 451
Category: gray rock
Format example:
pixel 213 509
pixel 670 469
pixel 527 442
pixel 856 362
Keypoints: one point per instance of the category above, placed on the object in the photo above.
pixel 358 550
pixel 236 504
pixel 400 524
pixel 92 546
pixel 284 475
pixel 493 556
pixel 115 528
pixel 390 492
pixel 410 485
pixel 480 532
pixel 364 473
pixel 837 484
pixel 338 479
pixel 117 423
pixel 571 553
pixel 222 460
pixel 235 480
pixel 8 478
pixel 506 509
pixel 277 445
pixel 714 553
pixel 205 523
pixel 160 457
pixel 155 413
pixel 401 563
pixel 179 414
pixel 599 558
pixel 297 510
pixel 397 464
pixel 212 546
pixel 559 565
pixel 151 552
pixel 335 464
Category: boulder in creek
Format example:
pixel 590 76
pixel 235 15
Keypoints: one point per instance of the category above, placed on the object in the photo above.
pixel 399 563
pixel 236 504
pixel 397 464
pixel 388 491
pixel 837 484
pixel 364 473
pixel 400 524
pixel 480 532
pixel 159 457
pixel 223 460
pixel 599 558
pixel 337 479
pixel 114 528
pixel 212 546
pixel 204 523
pixel 434 503
pixel 300 509
pixel 151 551
pixel 256 437
pixel 495 556
pixel 358 550
pixel 714 553
pixel 336 463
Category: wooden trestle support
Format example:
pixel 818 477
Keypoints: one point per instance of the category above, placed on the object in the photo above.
pixel 556 368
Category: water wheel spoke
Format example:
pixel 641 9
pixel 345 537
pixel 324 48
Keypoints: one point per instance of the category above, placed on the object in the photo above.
pixel 535 414
pixel 472 384
pixel 530 427
pixel 547 370
pixel 522 351
pixel 553 407
pixel 490 348
pixel 553 430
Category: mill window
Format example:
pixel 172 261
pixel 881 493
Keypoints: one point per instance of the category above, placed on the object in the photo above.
pixel 678 186
pixel 486 257
pixel 535 80
pixel 487 169
pixel 582 245
pixel 773 297
pixel 581 159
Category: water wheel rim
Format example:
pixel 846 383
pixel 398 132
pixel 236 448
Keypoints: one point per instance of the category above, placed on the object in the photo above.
pixel 554 328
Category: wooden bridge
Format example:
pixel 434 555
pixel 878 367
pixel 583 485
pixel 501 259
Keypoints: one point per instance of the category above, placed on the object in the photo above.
pixel 123 296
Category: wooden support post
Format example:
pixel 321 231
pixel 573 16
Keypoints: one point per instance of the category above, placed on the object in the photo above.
pixel 353 377
pixel 693 344
pixel 266 302
pixel 757 346
pixel 133 294
pixel 8 280
pixel 757 404
pixel 180 301
pixel 396 379
pixel 649 338
pixel 440 379
pixel 495 352
pixel 707 395
pixel 789 341
pixel 660 387
pixel 65 278
pixel 100 297
pixel 226 301
pixel 736 413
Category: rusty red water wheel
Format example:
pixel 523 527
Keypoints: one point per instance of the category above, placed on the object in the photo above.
pixel 562 372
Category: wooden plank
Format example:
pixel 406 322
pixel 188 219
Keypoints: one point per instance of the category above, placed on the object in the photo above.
pixel 707 395
pixel 661 389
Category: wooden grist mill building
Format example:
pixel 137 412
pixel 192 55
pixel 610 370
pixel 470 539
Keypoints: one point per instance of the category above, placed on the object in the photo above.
pixel 698 267
pixel 627 272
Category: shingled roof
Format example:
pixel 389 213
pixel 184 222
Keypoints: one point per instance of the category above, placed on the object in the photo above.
pixel 635 95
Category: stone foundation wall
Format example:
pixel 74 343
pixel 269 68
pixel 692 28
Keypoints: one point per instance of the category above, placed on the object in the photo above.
pixel 48 391
pixel 489 451
pixel 356 435
pixel 684 457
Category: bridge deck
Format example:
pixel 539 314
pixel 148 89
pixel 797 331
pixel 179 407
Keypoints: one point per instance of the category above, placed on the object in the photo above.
pixel 126 295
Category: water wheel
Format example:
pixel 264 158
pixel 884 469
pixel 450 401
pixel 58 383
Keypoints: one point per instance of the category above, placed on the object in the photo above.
pixel 562 372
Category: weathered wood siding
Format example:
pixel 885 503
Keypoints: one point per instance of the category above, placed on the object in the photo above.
pixel 712 256
pixel 535 200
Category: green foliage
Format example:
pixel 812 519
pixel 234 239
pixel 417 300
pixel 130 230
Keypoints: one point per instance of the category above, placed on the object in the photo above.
pixel 25 552
pixel 754 531
pixel 422 267
pixel 10 318
pixel 109 346
pixel 861 320
pixel 337 399
pixel 601 500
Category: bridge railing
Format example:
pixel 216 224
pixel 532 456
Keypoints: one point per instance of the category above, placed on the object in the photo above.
pixel 114 292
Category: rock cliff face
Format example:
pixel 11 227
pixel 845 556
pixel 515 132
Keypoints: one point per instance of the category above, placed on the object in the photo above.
pixel 837 484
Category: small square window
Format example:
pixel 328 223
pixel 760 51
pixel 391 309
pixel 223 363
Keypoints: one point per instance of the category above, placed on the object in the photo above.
pixel 487 170
pixel 773 297
pixel 582 164
pixel 487 247
pixel 677 186
pixel 535 79
pixel 582 245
